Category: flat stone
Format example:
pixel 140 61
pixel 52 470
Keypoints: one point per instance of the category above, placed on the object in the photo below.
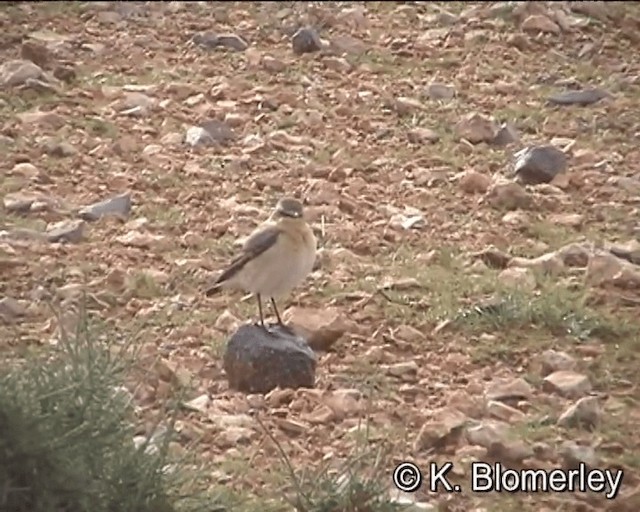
pixel 513 389
pixel 582 98
pixel 257 361
pixel 539 164
pixel 567 383
pixel 586 412
pixel 119 205
pixel 554 361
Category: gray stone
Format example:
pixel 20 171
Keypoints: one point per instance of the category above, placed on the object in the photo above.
pixel 507 134
pixel 208 40
pixel 585 412
pixel 567 383
pixel 305 40
pixel 257 361
pixel 233 42
pixel 118 206
pixel 554 361
pixel 210 132
pixel 584 97
pixel 539 164
pixel 573 454
pixel 66 231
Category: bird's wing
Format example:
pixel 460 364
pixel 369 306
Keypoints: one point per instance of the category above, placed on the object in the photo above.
pixel 258 242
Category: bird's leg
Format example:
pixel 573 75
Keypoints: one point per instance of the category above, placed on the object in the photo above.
pixel 260 311
pixel 275 309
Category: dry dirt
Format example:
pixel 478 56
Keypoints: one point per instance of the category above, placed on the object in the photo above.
pixel 397 197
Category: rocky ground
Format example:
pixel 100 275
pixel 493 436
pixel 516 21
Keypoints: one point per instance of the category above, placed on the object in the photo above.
pixel 474 303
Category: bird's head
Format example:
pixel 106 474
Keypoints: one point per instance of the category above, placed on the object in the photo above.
pixel 288 207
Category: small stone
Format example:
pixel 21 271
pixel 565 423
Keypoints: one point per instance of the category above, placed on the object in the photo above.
pixel 605 268
pixel 210 132
pixel 567 383
pixel 438 91
pixel 338 64
pixel 629 251
pixel 503 411
pixel 208 40
pixel 574 255
pixel 59 149
pixel 493 257
pixel 583 98
pixel 422 135
pixel 64 73
pixel 585 412
pixel 539 23
pixel 119 206
pixel 257 361
pixel 406 369
pixel 199 404
pixel 574 454
pixel 520 278
pixel 509 196
pixel 569 220
pixel 227 322
pixel 134 104
pixel 233 42
pixel 539 164
pixel 512 389
pixel 487 433
pixel 409 334
pixel 405 106
pixel 18 72
pixel 508 451
pixel 473 182
pixel 320 327
pixel 552 361
pixel 306 40
pixel 550 263
pixel 37 53
pixel 507 134
pixel 66 231
pixel 447 425
pixel 272 64
pixel 11 310
pixel 476 128
pixel 45 119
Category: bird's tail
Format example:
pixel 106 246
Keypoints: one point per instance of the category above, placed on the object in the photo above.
pixel 213 289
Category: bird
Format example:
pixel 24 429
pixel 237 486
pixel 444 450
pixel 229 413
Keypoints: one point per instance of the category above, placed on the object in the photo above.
pixel 276 257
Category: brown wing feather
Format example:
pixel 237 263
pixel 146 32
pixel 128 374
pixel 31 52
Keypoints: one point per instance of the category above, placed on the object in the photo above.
pixel 255 245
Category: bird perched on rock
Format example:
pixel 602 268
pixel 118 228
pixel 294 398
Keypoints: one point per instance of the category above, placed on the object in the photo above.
pixel 274 259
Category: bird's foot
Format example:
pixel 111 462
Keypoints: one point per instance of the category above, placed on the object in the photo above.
pixel 285 328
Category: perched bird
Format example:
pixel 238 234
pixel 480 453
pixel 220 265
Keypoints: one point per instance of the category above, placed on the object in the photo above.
pixel 274 259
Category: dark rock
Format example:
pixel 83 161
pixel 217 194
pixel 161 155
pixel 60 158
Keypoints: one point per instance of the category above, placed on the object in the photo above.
pixel 36 53
pixel 539 164
pixel 233 42
pixel 506 135
pixel 119 206
pixel 257 361
pixel 208 40
pixel 65 73
pixel 583 97
pixel 211 40
pixel 440 91
pixel 59 149
pixel 630 254
pixel 305 40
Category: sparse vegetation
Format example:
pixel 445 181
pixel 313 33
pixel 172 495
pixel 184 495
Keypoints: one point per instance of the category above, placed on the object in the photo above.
pixel 430 326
